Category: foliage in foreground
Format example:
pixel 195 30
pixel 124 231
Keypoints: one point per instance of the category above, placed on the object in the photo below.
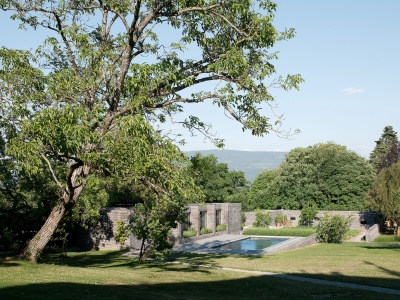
pixel 85 103
pixel 332 229
pixel 288 231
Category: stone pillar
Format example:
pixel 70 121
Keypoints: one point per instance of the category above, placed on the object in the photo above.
pixel 211 224
pixel 234 225
pixel 195 217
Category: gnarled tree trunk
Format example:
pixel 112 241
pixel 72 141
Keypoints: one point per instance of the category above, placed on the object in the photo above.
pixel 70 196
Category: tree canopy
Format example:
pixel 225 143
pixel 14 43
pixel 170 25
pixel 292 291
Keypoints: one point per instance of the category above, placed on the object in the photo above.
pixel 385 193
pixel 382 148
pixel 85 103
pixel 327 176
pixel 214 179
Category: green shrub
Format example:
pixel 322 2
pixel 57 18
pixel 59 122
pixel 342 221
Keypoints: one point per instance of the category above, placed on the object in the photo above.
pixel 220 227
pixel 288 231
pixel 281 219
pixel 243 219
pixel 308 214
pixel 332 229
pixel 262 219
pixel 189 233
pixel 121 232
pixel 205 230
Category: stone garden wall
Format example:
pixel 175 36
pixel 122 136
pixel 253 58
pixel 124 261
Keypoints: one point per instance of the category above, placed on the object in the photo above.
pixel 361 219
pixel 101 236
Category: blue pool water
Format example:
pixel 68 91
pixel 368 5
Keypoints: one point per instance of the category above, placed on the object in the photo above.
pixel 251 244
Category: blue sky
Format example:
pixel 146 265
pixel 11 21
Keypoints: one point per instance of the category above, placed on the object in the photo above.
pixel 348 54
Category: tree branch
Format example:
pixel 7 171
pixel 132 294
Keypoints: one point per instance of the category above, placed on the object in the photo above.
pixel 52 171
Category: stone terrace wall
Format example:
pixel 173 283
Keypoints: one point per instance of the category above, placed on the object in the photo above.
pixel 361 219
pixel 101 236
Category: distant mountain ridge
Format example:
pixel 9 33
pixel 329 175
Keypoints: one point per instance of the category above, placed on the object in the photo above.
pixel 250 162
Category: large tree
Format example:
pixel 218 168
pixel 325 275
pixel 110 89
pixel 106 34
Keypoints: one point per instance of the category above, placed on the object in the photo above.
pixel 382 148
pixel 385 193
pixel 327 176
pixel 263 191
pixel 214 179
pixel 84 103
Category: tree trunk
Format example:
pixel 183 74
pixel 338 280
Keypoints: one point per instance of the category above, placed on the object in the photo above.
pixel 65 205
pixel 40 240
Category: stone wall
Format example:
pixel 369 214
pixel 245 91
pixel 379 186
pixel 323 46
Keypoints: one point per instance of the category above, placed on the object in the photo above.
pixel 372 233
pixel 361 219
pixel 101 236
pixel 230 216
pixel 300 242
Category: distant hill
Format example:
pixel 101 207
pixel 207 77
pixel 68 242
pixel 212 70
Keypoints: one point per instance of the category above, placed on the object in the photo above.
pixel 250 162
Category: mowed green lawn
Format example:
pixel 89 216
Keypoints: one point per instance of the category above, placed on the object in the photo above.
pixel 107 275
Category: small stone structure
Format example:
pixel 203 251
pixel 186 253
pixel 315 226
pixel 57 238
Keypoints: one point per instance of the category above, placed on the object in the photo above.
pixel 101 236
pixel 209 215
pixel 361 219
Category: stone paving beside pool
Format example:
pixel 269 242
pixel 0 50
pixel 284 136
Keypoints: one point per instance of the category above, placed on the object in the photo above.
pixel 208 245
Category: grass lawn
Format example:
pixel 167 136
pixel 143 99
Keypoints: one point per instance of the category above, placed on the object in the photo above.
pixel 375 264
pixel 107 275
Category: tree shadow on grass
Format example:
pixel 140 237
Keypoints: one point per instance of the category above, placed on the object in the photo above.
pixel 255 287
pixel 6 262
pixel 387 271
pixel 112 259
pixel 388 246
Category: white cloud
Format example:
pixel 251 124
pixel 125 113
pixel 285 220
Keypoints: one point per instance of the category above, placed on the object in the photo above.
pixel 351 91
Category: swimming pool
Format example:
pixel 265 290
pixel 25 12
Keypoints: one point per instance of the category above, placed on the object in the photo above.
pixel 213 244
pixel 252 243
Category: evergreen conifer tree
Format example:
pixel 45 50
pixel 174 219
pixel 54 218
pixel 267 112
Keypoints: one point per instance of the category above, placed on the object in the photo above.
pixel 382 147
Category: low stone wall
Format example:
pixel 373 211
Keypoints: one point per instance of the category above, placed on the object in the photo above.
pixel 298 243
pixel 372 233
pixel 361 219
pixel 101 236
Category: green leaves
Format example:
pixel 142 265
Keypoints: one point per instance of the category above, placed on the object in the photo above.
pixel 327 176
pixel 214 179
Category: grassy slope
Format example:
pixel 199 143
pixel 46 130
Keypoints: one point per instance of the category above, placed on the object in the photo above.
pixel 107 275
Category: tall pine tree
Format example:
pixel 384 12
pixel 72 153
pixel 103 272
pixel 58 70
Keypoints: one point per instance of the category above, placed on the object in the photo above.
pixel 382 147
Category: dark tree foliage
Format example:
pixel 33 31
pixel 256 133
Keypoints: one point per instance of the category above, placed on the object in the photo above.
pixel 382 148
pixel 385 193
pixel 214 179
pixel 392 157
